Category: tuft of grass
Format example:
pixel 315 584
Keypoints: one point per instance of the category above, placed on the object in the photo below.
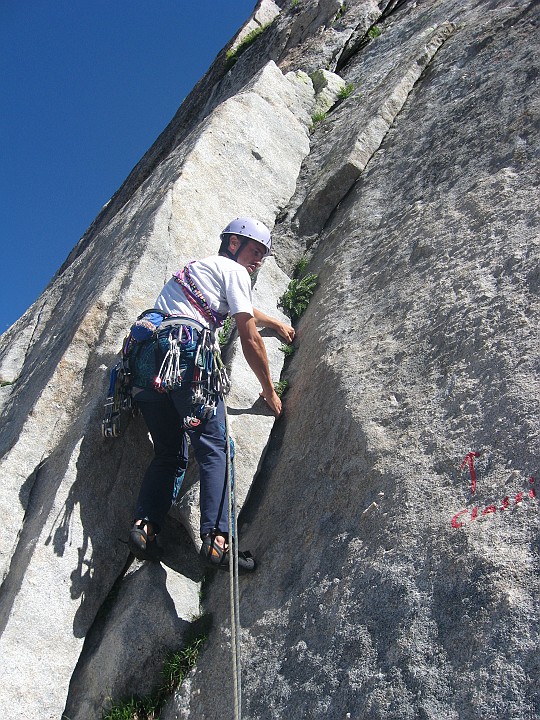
pixel 133 709
pixel 300 267
pixel 318 117
pixel 281 388
pixel 176 667
pixel 374 32
pixel 340 13
pixel 178 664
pixel 287 350
pixel 295 3
pixel 346 91
pixel 297 296
pixel 233 54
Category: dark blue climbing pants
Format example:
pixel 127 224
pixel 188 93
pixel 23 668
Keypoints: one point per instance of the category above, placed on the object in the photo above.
pixel 164 414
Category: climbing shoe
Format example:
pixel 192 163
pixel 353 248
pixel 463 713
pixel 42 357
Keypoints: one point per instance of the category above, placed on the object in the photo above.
pixel 218 557
pixel 142 543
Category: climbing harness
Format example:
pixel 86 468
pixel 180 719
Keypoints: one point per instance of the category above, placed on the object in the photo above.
pixel 234 592
pixel 183 351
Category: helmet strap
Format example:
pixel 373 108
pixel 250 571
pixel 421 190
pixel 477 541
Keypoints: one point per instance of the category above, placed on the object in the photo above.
pixel 231 255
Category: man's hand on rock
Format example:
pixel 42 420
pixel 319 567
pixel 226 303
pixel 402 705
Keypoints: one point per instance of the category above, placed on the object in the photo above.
pixel 286 331
pixel 273 402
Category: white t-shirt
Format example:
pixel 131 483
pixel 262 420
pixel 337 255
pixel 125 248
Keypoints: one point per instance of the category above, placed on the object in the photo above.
pixel 225 284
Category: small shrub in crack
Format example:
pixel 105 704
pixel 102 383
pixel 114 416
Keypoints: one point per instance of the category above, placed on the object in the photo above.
pixel 233 54
pixel 340 13
pixel 300 267
pixel 374 32
pixel 317 117
pixel 346 91
pixel 297 296
pixel 287 350
pixel 281 388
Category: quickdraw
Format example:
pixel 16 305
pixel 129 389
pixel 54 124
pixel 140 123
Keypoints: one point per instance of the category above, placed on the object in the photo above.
pixel 118 399
pixel 171 372
pixel 210 380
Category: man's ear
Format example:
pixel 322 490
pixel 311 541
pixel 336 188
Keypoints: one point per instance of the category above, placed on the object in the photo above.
pixel 234 243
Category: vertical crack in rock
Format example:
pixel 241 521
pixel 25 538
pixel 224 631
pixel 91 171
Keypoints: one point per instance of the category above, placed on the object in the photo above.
pixel 359 37
pixel 14 352
pixel 345 163
pixel 418 345
pixel 23 545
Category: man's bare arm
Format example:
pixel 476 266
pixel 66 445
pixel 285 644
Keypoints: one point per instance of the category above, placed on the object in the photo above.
pixel 262 320
pixel 255 354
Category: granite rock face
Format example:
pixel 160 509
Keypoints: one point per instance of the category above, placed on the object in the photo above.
pixel 67 494
pixel 394 510
pixel 386 588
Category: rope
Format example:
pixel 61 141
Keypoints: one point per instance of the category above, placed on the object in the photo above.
pixel 233 581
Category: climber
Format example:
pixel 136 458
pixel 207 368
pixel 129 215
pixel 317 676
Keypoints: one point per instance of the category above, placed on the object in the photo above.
pixel 199 298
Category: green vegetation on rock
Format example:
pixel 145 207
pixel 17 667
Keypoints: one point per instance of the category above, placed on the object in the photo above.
pixel 281 387
pixel 176 667
pixel 298 294
pixel 346 91
pixel 233 54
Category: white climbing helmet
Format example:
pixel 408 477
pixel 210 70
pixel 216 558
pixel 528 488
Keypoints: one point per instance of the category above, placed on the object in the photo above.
pixel 250 229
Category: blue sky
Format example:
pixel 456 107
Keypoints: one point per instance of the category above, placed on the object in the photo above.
pixel 86 87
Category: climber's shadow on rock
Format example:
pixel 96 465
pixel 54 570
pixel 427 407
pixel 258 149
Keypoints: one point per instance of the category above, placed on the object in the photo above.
pixel 130 611
pixel 177 551
pixel 259 407
pixel 93 523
